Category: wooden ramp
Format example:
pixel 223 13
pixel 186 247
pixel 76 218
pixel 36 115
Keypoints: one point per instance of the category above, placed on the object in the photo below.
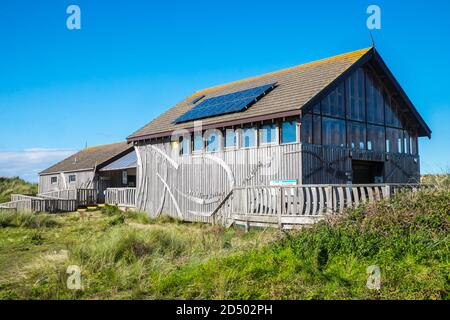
pixel 51 202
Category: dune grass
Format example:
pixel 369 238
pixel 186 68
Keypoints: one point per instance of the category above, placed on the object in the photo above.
pixel 126 255
pixel 16 185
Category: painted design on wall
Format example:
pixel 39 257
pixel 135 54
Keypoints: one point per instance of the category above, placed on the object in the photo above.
pixel 222 164
pixel 257 169
pixel 180 215
pixel 167 169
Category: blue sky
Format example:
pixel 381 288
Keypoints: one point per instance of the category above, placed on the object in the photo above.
pixel 61 89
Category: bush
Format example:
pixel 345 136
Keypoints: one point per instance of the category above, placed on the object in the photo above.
pixel 140 217
pixel 16 185
pixel 144 218
pixel 117 220
pixel 110 210
pixel 26 220
pixel 128 245
pixel 407 237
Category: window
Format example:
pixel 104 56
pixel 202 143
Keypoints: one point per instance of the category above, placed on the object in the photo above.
pixel 248 137
pixel 212 141
pixel 406 143
pixel 414 146
pixel 375 104
pixel 394 140
pixel 268 133
pixel 306 129
pixel 333 104
pixel 333 132
pixel 185 143
pixel 355 96
pixel 230 138
pixel 289 131
pixel 53 180
pixel 375 138
pixel 72 178
pixel 198 142
pixel 356 135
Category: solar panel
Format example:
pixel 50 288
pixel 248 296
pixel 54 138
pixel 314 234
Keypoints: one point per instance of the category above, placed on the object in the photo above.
pixel 228 103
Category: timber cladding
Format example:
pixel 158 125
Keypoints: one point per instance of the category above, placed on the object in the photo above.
pixel 193 186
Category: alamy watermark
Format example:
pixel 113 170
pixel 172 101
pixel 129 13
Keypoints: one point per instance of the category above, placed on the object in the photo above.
pixel 74 278
pixel 374 279
pixel 374 20
pixel 73 21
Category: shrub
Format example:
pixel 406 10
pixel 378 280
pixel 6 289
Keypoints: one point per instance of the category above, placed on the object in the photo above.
pixel 139 216
pixel 117 220
pixel 26 220
pixel 110 210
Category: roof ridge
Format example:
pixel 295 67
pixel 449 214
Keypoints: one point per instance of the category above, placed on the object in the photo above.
pixel 102 145
pixel 303 65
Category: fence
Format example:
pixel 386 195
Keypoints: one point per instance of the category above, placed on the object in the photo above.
pixel 286 206
pixel 56 201
pixel 33 204
pixel 124 197
pixel 84 197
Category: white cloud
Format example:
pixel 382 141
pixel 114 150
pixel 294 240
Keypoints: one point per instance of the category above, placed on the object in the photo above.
pixel 29 162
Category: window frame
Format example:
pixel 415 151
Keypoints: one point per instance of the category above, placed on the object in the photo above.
pixel 194 135
pixel 217 133
pixel 74 180
pixel 243 136
pixel 295 121
pixel 273 131
pixel 235 139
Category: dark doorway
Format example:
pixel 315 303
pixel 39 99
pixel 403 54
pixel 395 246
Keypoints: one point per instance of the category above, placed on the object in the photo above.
pixel 367 172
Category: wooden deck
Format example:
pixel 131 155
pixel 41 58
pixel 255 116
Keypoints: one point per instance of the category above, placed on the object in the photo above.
pixel 292 206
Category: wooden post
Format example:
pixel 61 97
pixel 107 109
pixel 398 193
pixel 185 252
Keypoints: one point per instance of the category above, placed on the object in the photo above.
pixel 280 205
pixel 246 209
pixel 329 199
pixel 387 191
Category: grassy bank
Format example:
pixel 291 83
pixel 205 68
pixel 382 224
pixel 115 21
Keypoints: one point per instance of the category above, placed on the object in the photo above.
pixel 127 255
pixel 16 185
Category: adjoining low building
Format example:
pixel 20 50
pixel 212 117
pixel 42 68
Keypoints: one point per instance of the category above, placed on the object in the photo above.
pixel 99 168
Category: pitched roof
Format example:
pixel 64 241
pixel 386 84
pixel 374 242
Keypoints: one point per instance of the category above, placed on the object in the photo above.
pixel 127 161
pixel 90 158
pixel 296 86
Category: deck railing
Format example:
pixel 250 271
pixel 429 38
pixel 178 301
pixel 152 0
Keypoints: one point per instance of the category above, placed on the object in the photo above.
pixel 69 194
pixel 124 197
pixel 33 204
pixel 52 202
pixel 287 206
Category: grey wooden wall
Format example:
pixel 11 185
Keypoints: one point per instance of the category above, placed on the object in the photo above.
pixel 83 180
pixel 191 186
pixel 333 165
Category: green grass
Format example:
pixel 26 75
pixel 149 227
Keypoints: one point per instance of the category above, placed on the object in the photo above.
pixel 129 256
pixel 16 185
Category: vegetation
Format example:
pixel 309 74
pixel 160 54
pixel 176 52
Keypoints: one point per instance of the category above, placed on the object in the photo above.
pixel 26 220
pixel 129 256
pixel 15 185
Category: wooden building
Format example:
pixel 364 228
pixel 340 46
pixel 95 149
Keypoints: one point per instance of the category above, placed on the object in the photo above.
pixel 340 120
pixel 99 168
